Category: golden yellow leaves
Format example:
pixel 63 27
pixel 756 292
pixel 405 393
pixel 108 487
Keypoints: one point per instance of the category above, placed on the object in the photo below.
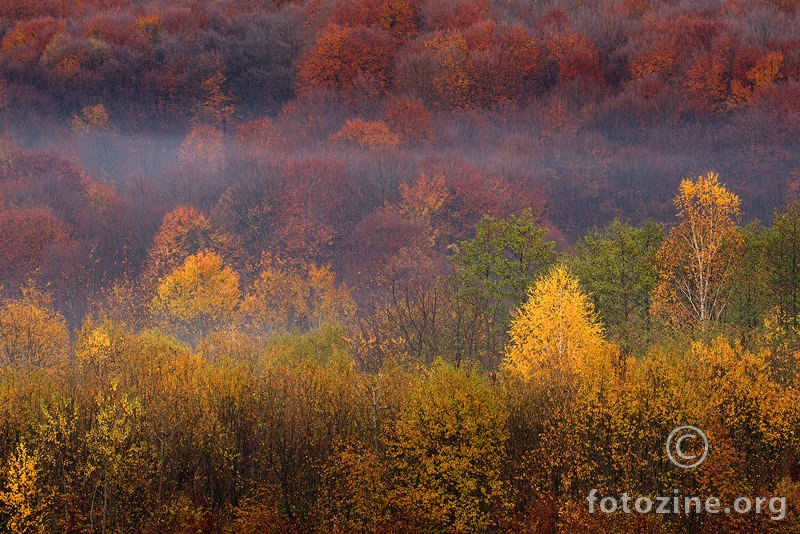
pixel 423 201
pixel 201 294
pixel 23 503
pixel 31 333
pixel 555 333
pixel 448 448
pixel 285 298
pixel 698 257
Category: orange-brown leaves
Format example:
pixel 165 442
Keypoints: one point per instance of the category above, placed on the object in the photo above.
pixel 91 119
pixel 708 82
pixel 25 238
pixel 259 134
pixel 184 231
pixel 503 59
pixel 660 59
pixel 285 298
pixel 576 57
pixel 203 145
pixel 453 14
pixel 367 134
pixel 400 17
pixel 451 77
pixel 310 207
pixel 214 107
pixel 423 201
pixel 342 56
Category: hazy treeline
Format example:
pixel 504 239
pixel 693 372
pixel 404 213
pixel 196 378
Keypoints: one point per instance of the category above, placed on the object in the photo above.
pixel 292 126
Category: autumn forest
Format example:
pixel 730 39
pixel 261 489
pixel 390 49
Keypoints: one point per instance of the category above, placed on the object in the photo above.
pixel 396 266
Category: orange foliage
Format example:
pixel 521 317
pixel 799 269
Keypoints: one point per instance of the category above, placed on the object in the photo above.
pixel 503 59
pixel 423 201
pixel 454 14
pixel 342 55
pixel 451 82
pixel 366 134
pixel 202 145
pixel 660 59
pixel 707 83
pixel 27 40
pixel 576 56
pixel 184 231
pixel 358 13
pixel 400 17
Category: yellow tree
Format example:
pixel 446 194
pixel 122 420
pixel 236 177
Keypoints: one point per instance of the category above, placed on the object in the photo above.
pixel 23 502
pixel 203 292
pixel 555 332
pixel 286 297
pixel 447 448
pixel 698 258
pixel 31 333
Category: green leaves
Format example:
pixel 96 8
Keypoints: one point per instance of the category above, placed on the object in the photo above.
pixel 616 266
pixel 494 271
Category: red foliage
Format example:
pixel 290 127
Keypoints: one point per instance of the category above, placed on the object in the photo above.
pixel 28 9
pixel 45 179
pixel 400 17
pixel 25 235
pixel 258 134
pixel 577 58
pixel 358 13
pixel 310 210
pixel 503 59
pixel 454 14
pixel 27 40
pixel 409 119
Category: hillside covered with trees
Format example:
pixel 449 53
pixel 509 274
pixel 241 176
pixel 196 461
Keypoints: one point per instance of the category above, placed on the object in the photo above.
pixel 396 265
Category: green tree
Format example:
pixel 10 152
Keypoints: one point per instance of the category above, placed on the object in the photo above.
pixel 616 265
pixel 782 263
pixel 494 271
pixel 750 296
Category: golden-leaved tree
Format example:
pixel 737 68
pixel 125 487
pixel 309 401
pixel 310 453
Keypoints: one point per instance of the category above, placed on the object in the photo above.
pixel 23 504
pixel 31 333
pixel 201 294
pixel 698 259
pixel 555 333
